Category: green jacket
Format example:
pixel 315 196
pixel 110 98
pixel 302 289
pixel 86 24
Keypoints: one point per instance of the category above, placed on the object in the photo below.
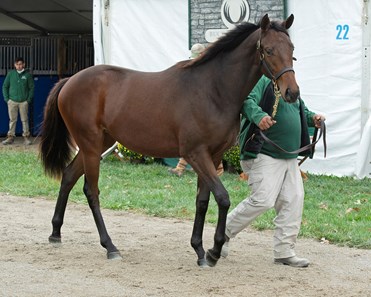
pixel 18 87
pixel 287 130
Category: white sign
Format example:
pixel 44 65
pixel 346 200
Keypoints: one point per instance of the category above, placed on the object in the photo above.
pixel 232 12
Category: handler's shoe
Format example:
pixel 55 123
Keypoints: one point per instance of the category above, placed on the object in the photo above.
pixel 293 261
pixel 27 141
pixel 225 248
pixel 8 140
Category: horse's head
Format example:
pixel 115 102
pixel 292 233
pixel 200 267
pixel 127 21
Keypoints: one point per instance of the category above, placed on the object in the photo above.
pixel 276 56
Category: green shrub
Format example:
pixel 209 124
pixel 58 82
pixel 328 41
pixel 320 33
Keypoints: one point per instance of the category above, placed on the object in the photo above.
pixel 231 159
pixel 132 156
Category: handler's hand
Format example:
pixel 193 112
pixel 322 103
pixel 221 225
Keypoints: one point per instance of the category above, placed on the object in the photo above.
pixel 317 119
pixel 266 123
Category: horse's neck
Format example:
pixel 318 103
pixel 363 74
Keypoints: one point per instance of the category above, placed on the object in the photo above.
pixel 240 70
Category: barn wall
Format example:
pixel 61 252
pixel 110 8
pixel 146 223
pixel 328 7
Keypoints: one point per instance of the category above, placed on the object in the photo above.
pixel 48 59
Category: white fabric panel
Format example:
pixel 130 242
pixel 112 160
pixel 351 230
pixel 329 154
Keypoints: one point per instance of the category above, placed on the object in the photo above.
pixel 363 164
pixel 329 73
pixel 146 35
pixel 97 37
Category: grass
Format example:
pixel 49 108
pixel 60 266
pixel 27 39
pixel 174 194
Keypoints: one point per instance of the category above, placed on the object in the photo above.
pixel 336 209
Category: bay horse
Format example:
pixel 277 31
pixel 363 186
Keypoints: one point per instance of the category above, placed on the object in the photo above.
pixel 189 110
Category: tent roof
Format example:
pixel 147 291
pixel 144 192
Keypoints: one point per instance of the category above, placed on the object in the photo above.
pixel 45 17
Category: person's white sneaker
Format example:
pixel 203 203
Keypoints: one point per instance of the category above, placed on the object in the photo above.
pixel 27 141
pixel 8 140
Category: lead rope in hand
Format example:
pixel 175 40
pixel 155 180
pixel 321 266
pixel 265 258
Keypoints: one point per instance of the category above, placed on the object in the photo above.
pixel 304 148
pixel 277 95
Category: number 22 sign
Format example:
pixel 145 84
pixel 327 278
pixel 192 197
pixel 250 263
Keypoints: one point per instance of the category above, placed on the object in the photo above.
pixel 342 32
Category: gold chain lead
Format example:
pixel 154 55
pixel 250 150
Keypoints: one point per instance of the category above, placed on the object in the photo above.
pixel 277 95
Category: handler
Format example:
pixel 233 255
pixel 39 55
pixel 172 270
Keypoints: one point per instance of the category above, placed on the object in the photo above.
pixel 274 176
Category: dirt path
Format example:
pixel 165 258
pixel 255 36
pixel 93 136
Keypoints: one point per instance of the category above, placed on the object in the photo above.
pixel 157 259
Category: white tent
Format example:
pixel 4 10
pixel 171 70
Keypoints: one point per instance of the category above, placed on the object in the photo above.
pixel 146 35
pixel 332 45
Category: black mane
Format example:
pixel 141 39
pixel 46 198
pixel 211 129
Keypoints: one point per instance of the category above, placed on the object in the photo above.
pixel 225 43
pixel 230 41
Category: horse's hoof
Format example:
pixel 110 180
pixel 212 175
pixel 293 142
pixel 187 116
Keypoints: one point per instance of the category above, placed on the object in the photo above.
pixel 114 256
pixel 202 263
pixel 55 239
pixel 211 260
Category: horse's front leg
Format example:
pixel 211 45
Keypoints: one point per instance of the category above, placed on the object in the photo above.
pixel 202 202
pixel 208 180
pixel 222 199
pixel 70 176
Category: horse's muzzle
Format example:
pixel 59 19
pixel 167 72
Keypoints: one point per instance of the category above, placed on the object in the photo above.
pixel 291 96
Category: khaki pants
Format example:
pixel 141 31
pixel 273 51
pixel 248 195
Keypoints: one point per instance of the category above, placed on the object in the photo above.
pixel 13 108
pixel 274 183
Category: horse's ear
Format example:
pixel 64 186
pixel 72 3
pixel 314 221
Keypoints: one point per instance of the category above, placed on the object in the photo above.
pixel 265 22
pixel 288 23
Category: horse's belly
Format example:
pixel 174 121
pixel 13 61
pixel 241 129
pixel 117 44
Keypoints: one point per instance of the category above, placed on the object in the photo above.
pixel 149 140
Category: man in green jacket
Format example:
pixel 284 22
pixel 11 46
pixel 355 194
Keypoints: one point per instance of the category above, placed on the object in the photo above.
pixel 18 91
pixel 273 175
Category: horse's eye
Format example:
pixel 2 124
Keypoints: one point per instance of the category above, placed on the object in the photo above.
pixel 269 51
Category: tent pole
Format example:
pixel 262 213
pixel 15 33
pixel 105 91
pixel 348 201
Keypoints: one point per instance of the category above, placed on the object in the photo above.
pixel 366 65
pixel 189 25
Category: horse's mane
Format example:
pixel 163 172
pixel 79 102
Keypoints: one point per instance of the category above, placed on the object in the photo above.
pixel 229 41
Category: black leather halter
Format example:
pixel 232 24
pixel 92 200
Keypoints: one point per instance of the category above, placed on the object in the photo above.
pixel 268 69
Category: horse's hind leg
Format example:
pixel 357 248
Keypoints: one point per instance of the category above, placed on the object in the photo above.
pixel 91 166
pixel 70 176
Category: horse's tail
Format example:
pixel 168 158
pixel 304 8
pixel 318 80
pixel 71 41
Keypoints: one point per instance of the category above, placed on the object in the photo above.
pixel 55 145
